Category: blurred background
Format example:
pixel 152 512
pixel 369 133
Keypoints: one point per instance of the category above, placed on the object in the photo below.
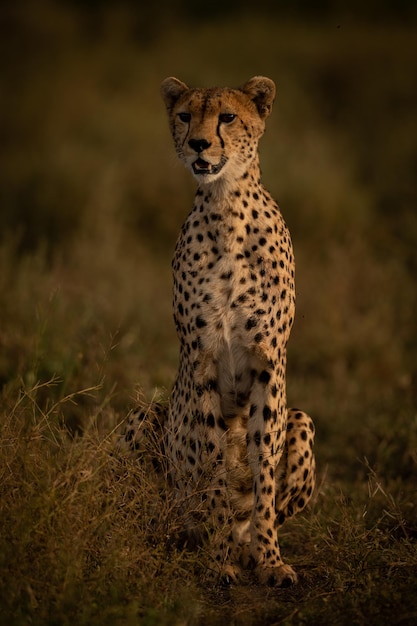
pixel 92 198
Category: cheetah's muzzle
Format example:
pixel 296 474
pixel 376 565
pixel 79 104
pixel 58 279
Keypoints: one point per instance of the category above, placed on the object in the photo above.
pixel 202 167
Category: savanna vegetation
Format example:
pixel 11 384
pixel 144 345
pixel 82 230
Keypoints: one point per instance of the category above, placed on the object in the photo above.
pixel 91 200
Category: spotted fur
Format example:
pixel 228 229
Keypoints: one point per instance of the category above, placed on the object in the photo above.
pixel 241 461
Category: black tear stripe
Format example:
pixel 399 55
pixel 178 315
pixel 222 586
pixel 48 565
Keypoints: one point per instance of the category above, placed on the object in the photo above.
pixel 186 136
pixel 219 134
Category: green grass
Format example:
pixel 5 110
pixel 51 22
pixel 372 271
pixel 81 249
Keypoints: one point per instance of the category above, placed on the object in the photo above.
pixel 92 198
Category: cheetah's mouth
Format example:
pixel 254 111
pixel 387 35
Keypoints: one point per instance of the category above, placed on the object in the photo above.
pixel 202 167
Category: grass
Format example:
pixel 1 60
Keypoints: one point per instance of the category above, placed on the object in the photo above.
pixel 89 537
pixel 72 516
pixel 92 198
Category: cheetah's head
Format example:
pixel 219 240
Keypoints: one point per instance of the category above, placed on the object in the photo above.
pixel 216 130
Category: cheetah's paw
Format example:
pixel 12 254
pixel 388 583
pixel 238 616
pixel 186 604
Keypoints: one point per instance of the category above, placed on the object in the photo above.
pixel 228 575
pixel 282 576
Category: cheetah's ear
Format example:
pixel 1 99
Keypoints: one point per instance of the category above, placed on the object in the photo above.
pixel 171 90
pixel 261 91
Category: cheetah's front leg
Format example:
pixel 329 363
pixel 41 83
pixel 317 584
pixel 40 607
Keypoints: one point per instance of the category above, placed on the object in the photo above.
pixel 266 441
pixel 225 564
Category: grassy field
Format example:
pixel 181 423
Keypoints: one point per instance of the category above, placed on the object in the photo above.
pixel 91 200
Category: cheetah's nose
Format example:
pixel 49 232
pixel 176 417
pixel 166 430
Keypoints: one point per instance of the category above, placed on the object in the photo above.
pixel 199 144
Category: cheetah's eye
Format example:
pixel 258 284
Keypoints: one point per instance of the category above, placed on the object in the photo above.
pixel 227 118
pixel 184 117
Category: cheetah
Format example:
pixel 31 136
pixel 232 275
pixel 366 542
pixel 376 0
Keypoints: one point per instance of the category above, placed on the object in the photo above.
pixel 242 461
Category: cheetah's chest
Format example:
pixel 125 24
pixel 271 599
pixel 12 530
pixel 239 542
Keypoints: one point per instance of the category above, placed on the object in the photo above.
pixel 230 270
